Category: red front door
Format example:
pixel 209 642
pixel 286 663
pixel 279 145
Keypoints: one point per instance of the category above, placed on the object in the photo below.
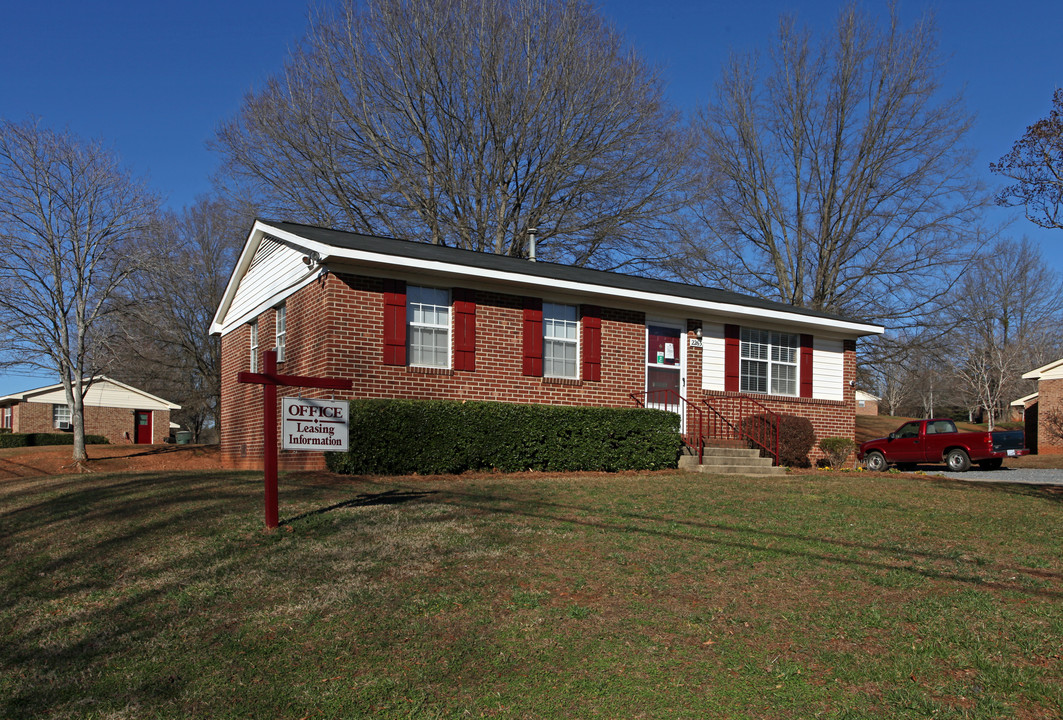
pixel 143 427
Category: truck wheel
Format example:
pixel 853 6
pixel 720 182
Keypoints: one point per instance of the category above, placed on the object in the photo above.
pixel 875 461
pixel 994 464
pixel 958 460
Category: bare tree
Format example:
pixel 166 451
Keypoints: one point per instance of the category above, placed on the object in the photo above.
pixel 161 341
pixel 1006 313
pixel 464 124
pixel 1035 164
pixel 836 175
pixel 71 219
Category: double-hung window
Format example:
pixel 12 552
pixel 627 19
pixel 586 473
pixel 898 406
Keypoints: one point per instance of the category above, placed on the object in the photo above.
pixel 282 331
pixel 769 362
pixel 5 422
pixel 560 333
pixel 428 317
pixel 254 346
pixel 60 416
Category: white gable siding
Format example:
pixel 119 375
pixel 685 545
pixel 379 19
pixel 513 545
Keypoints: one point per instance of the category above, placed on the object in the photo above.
pixel 104 394
pixel 828 369
pixel 712 360
pixel 274 268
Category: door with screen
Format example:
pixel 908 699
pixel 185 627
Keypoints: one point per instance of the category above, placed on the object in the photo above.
pixel 663 367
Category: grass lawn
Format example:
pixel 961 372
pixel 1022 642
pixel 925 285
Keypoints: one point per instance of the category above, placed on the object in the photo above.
pixel 665 595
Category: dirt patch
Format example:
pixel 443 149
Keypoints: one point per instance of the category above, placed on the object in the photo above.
pixel 56 460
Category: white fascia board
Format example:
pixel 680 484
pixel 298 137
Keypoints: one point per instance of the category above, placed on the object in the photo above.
pixel 1024 399
pixel 1053 368
pixel 684 306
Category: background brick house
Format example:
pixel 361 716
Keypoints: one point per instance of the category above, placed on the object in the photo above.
pixel 412 320
pixel 866 403
pixel 121 413
pixel 1047 401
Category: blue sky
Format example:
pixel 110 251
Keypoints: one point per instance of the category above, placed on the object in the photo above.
pixel 154 80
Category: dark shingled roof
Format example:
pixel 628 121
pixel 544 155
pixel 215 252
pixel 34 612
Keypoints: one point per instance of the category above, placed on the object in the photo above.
pixel 548 270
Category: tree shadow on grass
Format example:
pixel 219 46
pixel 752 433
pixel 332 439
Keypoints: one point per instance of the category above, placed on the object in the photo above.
pixel 1052 493
pixel 892 558
pixel 388 497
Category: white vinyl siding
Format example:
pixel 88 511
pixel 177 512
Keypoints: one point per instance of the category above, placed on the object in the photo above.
pixel 428 319
pixel 560 340
pixel 275 266
pixel 713 350
pixel 828 369
pixel 104 393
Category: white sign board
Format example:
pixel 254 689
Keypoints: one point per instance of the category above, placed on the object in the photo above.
pixel 314 424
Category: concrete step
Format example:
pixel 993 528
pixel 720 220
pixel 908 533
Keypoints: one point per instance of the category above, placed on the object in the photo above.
pixel 731 465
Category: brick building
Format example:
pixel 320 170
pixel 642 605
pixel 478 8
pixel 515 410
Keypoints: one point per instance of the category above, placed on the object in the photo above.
pixel 121 413
pixel 412 320
pixel 866 403
pixel 1047 402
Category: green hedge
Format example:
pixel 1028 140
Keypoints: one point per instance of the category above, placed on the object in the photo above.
pixel 9 440
pixel 400 437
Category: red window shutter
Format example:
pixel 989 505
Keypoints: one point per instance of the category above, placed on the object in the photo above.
pixel 394 322
pixel 592 342
pixel 464 330
pixel 731 358
pixel 804 366
pixel 533 336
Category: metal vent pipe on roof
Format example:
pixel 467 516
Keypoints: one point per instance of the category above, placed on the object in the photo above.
pixel 531 243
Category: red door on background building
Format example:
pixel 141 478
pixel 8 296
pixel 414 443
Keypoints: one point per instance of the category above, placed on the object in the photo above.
pixel 143 427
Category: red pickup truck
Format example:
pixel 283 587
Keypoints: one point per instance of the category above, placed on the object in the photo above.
pixel 935 441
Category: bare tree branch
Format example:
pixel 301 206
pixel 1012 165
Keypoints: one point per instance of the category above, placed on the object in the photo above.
pixel 464 124
pixel 836 178
pixel 70 224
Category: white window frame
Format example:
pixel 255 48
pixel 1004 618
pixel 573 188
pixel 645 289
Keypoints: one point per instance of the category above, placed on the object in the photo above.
pixel 282 330
pixel 437 299
pixel 776 355
pixel 254 346
pixel 558 320
pixel 6 421
pixel 61 414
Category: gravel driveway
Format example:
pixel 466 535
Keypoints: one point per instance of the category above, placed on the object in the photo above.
pixel 1028 476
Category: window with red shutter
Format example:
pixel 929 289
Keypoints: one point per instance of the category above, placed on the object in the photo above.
pixel 592 342
pixel 394 322
pixel 533 337
pixel 464 330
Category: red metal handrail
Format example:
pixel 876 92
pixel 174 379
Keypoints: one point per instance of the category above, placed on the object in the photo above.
pixel 667 399
pixel 725 422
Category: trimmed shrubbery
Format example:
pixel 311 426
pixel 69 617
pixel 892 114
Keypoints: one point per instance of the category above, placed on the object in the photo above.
pixel 796 436
pixel 10 440
pixel 399 437
pixel 837 450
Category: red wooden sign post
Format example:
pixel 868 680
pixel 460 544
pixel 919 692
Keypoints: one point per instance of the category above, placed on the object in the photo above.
pixel 269 379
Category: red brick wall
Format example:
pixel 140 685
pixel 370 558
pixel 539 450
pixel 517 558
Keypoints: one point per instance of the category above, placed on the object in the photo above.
pixel 335 329
pixel 116 424
pixel 1049 399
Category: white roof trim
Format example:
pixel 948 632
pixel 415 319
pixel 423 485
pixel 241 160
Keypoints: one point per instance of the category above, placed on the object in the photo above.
pixel 1024 399
pixel 221 324
pixel 25 395
pixel 1043 370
